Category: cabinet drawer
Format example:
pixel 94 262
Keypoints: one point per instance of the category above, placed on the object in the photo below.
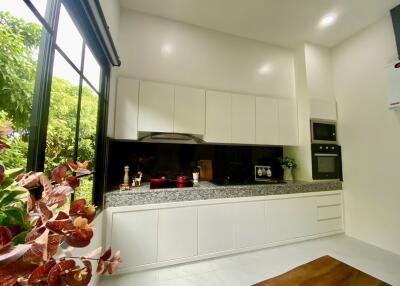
pixel 329 200
pixel 330 225
pixel 329 212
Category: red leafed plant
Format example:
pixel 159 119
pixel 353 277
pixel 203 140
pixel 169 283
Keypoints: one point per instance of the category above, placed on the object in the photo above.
pixel 34 229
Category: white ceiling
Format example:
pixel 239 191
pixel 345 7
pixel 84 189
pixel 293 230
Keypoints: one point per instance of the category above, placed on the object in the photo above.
pixel 280 22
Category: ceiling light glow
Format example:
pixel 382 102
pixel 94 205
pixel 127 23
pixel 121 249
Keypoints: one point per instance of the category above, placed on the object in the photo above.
pixel 167 49
pixel 265 69
pixel 327 20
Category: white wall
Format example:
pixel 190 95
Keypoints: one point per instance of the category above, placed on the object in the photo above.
pixel 164 50
pixel 319 72
pixel 111 12
pixel 301 153
pixel 370 136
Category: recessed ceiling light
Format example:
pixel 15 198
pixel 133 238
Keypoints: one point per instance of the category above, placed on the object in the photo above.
pixel 265 69
pixel 167 49
pixel 327 20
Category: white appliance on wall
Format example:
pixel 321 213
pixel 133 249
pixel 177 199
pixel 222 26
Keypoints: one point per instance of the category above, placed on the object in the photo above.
pixel 392 74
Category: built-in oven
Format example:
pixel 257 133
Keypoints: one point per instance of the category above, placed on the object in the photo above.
pixel 323 131
pixel 326 162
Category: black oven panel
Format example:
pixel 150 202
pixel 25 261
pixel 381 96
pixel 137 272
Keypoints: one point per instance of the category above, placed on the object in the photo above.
pixel 326 161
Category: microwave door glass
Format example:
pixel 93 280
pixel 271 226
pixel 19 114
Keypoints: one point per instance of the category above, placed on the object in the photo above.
pixel 324 132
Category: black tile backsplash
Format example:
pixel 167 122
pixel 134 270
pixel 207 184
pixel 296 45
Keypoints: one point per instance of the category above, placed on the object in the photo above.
pixel 170 160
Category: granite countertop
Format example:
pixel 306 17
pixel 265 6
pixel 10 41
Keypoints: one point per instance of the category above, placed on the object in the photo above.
pixel 205 191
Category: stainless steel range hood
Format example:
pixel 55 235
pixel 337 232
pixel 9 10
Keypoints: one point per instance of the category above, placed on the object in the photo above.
pixel 159 137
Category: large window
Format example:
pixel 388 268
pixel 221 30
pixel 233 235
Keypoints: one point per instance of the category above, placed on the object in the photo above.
pixel 54 70
pixel 74 100
pixel 20 37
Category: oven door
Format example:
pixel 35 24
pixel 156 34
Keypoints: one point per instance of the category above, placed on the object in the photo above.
pixel 327 165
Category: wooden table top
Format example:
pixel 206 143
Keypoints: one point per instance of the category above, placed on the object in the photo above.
pixel 324 271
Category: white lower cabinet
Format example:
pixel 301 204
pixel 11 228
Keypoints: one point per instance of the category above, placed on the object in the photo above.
pixel 216 228
pixel 135 235
pixel 329 213
pixel 188 231
pixel 249 216
pixel 290 218
pixel 177 233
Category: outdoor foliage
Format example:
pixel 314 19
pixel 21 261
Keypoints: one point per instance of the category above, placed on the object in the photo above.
pixel 32 227
pixel 19 44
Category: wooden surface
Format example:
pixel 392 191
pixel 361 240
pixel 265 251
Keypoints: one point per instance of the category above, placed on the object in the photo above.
pixel 324 271
pixel 206 170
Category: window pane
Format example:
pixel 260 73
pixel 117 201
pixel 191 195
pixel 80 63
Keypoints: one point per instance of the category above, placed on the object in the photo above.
pixel 20 10
pixel 20 35
pixel 88 125
pixel 68 38
pixel 40 5
pixel 85 189
pixel 62 114
pixel 92 69
pixel 87 138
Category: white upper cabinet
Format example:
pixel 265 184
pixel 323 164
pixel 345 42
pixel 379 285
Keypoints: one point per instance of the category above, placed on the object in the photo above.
pixel 267 121
pixel 218 117
pixel 323 109
pixel 126 109
pixel 288 122
pixel 156 107
pixel 221 117
pixel 190 110
pixel 243 119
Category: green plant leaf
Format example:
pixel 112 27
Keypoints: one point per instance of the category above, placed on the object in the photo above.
pixel 19 238
pixel 10 175
pixel 11 196
pixel 15 216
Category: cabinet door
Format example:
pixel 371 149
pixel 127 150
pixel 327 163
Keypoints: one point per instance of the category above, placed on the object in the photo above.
pixel 126 109
pixel 156 107
pixel 288 122
pixel 267 121
pixel 190 110
pixel 290 218
pixel 249 224
pixel 216 228
pixel 177 233
pixel 218 117
pixel 323 109
pixel 243 119
pixel 135 234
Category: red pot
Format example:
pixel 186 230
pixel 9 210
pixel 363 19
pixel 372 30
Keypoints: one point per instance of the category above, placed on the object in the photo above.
pixel 183 180
pixel 158 181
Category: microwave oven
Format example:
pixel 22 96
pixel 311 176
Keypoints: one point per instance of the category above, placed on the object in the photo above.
pixel 323 132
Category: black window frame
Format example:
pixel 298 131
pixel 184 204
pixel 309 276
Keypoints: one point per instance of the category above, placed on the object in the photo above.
pixel 81 13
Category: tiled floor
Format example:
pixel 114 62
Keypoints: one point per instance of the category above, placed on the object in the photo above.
pixel 249 268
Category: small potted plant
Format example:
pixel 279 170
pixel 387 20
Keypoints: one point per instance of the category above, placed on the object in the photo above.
pixel 288 164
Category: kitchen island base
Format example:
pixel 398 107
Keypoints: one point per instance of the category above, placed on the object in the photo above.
pixel 158 235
